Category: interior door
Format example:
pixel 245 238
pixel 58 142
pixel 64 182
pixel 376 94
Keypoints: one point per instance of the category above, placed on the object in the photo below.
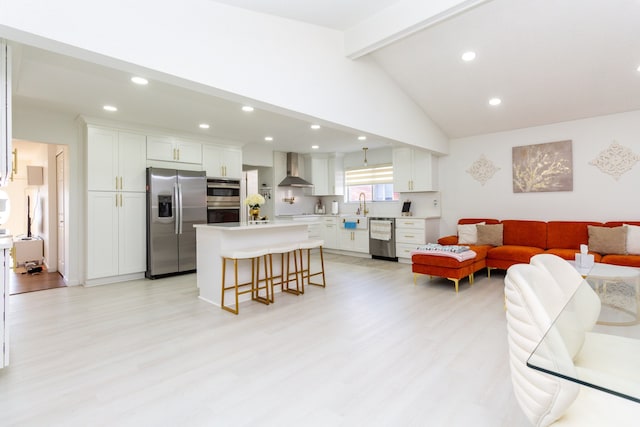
pixel 60 211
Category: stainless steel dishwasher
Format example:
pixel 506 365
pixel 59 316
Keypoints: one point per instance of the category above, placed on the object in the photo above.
pixel 382 238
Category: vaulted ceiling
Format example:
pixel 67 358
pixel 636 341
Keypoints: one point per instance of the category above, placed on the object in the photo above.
pixel 547 60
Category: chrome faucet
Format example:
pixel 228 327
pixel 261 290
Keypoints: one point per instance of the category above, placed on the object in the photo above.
pixel 362 208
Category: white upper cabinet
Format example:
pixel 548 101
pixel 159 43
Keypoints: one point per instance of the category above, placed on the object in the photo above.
pixel 115 160
pixel 326 174
pixel 222 162
pixel 414 170
pixel 173 150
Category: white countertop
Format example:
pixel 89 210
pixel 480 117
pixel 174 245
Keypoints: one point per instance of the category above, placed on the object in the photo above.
pixel 6 240
pixel 236 226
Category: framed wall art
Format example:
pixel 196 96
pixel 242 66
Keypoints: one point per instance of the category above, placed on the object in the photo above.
pixel 543 167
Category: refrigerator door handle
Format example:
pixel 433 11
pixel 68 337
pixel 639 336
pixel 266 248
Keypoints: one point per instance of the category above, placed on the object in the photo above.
pixel 180 206
pixel 177 208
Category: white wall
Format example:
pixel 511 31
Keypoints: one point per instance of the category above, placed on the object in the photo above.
pixel 595 196
pixel 282 64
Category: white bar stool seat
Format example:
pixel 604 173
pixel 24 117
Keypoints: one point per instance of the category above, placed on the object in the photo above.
pixel 305 271
pixel 254 255
pixel 285 250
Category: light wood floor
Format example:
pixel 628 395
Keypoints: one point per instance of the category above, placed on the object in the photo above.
pixel 371 349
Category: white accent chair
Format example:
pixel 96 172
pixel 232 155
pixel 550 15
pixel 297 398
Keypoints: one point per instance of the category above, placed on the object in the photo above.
pixel 569 280
pixel 531 294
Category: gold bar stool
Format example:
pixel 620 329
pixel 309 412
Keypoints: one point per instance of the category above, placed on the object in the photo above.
pixel 254 256
pixel 285 251
pixel 309 245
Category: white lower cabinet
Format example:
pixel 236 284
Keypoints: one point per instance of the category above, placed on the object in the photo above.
pixel 413 232
pixel 116 234
pixel 355 240
pixel 329 232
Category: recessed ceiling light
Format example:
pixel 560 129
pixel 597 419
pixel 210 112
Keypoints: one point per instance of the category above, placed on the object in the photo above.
pixel 247 108
pixel 268 138
pixel 315 127
pixel 109 108
pixel 315 147
pixel 204 125
pixel 362 138
pixel 495 101
pixel 638 68
pixel 139 80
pixel 468 56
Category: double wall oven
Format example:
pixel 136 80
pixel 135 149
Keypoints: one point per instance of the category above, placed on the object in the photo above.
pixel 223 200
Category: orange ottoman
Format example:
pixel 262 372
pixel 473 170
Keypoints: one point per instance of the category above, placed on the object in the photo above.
pixel 448 267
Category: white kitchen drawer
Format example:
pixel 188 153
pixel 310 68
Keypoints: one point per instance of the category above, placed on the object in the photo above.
pixel 403 250
pixel 415 237
pixel 417 224
pixel 329 220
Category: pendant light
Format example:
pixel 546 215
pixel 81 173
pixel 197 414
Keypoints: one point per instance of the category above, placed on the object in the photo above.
pixel 365 156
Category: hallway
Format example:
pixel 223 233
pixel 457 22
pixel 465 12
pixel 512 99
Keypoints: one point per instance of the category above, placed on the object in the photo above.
pixel 21 281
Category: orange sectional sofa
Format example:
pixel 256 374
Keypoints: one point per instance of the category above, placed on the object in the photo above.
pixel 521 239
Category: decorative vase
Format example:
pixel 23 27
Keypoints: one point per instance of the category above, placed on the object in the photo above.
pixel 254 213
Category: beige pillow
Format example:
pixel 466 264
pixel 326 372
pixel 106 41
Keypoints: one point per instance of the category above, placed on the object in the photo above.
pixel 490 235
pixel 468 234
pixel 608 240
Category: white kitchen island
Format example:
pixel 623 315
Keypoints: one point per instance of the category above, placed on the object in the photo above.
pixel 212 239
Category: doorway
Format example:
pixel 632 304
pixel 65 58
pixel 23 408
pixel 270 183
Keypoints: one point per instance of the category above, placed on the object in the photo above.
pixel 34 219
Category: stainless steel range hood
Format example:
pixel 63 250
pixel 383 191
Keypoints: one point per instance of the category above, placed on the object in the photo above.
pixel 292 179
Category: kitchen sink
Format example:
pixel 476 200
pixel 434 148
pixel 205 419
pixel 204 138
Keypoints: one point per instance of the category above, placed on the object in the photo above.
pixel 361 222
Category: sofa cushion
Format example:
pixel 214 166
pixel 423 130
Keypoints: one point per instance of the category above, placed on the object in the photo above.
pixel 626 260
pixel 490 234
pixel 568 234
pixel 608 240
pixel 570 254
pixel 468 233
pixel 525 233
pixel 516 254
pixel 480 250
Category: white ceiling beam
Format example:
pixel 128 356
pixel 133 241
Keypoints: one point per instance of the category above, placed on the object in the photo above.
pixel 398 21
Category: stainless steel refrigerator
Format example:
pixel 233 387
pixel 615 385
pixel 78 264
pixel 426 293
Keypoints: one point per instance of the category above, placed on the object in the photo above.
pixel 176 200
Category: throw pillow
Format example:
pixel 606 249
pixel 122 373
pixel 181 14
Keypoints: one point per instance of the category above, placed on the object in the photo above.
pixel 490 235
pixel 633 239
pixel 608 240
pixel 468 234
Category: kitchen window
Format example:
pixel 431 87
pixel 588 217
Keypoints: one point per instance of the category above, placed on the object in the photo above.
pixel 376 182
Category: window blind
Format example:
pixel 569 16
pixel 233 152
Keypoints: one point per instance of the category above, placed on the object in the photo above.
pixel 379 174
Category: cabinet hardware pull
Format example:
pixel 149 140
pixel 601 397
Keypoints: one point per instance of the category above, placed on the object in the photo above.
pixel 121 183
pixel 14 167
pixel 178 150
